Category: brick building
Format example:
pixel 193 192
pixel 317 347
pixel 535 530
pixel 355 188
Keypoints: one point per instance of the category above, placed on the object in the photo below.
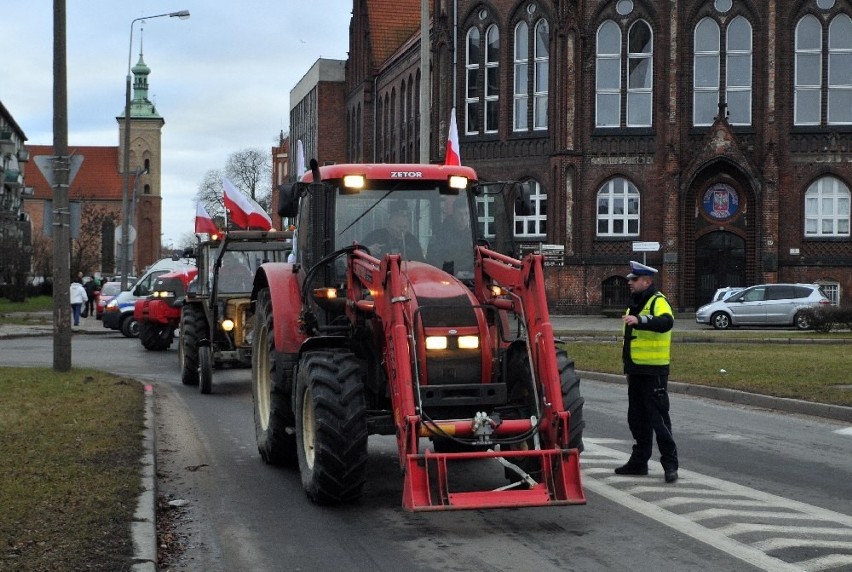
pixel 99 186
pixel 720 129
pixel 316 109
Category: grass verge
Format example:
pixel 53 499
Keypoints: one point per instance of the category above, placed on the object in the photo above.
pixel 69 476
pixel 20 312
pixel 812 372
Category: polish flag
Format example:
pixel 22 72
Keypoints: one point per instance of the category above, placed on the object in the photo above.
pixel 242 210
pixel 203 222
pixel 453 156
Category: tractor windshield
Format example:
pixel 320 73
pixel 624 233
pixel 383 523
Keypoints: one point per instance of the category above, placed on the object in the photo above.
pixel 420 224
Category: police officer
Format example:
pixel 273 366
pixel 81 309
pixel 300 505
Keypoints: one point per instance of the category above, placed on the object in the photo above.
pixel 648 326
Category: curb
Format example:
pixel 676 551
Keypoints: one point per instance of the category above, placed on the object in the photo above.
pixel 143 529
pixel 836 412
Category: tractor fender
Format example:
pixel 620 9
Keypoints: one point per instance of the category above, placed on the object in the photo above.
pixel 285 294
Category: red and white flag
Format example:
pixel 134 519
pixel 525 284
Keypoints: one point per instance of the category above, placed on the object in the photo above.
pixel 453 155
pixel 203 222
pixel 242 210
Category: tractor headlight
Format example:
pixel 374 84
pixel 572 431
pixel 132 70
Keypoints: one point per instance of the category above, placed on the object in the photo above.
pixel 468 342
pixel 163 294
pixel 227 324
pixel 436 342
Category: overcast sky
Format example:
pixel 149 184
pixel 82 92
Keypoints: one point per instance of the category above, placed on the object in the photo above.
pixel 221 79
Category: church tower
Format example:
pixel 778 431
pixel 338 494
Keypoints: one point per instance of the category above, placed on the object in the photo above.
pixel 145 169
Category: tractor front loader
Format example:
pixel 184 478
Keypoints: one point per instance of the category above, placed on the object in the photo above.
pixel 377 333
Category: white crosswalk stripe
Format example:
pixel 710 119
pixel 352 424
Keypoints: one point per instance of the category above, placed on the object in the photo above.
pixel 764 530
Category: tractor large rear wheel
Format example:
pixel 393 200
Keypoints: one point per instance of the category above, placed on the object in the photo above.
pixel 271 388
pixel 192 328
pixel 331 426
pixel 156 337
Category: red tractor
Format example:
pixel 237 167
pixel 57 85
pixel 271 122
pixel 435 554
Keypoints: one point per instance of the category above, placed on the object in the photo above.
pixel 158 315
pixel 405 313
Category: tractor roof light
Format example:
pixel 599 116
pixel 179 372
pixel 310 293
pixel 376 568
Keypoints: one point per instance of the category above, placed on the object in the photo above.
pixel 354 182
pixel 227 324
pixel 458 182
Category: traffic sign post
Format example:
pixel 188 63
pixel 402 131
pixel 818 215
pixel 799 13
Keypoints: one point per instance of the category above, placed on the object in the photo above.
pixel 645 247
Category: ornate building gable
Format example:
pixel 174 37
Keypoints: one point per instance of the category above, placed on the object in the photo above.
pixel 721 142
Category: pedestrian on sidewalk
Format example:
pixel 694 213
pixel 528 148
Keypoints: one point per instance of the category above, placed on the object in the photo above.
pixel 646 353
pixel 92 287
pixel 78 298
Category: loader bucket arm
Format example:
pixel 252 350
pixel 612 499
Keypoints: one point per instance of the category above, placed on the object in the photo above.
pixel 378 288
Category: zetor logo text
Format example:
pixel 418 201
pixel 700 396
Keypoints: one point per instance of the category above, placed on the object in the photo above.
pixel 406 175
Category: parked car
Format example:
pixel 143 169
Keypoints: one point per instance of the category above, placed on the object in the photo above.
pixel 764 305
pixel 109 290
pixel 725 293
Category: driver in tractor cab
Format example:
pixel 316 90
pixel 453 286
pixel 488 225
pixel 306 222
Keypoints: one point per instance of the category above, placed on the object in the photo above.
pixel 450 248
pixel 235 274
pixel 396 237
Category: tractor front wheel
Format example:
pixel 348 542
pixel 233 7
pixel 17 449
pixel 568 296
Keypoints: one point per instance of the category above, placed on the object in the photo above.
pixel 156 337
pixel 205 369
pixel 331 426
pixel 192 327
pixel 271 388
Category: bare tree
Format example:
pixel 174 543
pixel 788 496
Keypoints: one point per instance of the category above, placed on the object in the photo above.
pixel 210 194
pixel 250 171
pixel 86 248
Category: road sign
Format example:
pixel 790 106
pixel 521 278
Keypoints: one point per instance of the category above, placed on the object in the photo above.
pixel 45 165
pixel 646 246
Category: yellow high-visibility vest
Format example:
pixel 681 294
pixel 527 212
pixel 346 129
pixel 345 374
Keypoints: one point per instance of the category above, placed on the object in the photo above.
pixel 648 347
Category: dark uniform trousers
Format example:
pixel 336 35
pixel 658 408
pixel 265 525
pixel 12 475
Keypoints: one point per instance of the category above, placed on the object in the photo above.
pixel 648 415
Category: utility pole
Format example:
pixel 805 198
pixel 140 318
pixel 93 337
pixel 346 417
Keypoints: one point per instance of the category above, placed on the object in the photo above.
pixel 61 213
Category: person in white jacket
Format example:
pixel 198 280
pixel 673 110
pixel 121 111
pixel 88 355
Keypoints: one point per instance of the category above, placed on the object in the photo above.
pixel 78 298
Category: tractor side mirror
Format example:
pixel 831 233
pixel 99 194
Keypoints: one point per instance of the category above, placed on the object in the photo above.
pixel 187 253
pixel 523 202
pixel 288 199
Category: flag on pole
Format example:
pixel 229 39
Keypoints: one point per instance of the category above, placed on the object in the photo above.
pixel 203 222
pixel 242 210
pixel 453 155
pixel 300 159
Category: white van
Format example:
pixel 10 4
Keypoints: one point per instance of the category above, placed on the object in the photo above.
pixel 118 313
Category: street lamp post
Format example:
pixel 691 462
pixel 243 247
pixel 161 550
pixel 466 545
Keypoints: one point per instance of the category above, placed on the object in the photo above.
pixel 125 200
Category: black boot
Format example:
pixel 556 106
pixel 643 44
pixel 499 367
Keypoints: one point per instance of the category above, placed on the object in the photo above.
pixel 632 468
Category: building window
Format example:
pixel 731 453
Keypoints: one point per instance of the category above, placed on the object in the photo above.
pixel 812 46
pixel 540 78
pixel 640 74
pixel 738 64
pixel 472 90
pixel 479 61
pixel 492 79
pixel 522 60
pixel 485 216
pixel 535 224
pixel 722 76
pixel 840 70
pixel 827 203
pixel 808 71
pixel 608 76
pixel 611 75
pixel 618 209
pixel 831 290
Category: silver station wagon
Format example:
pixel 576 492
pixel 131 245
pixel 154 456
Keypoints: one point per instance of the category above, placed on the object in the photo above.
pixel 764 305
